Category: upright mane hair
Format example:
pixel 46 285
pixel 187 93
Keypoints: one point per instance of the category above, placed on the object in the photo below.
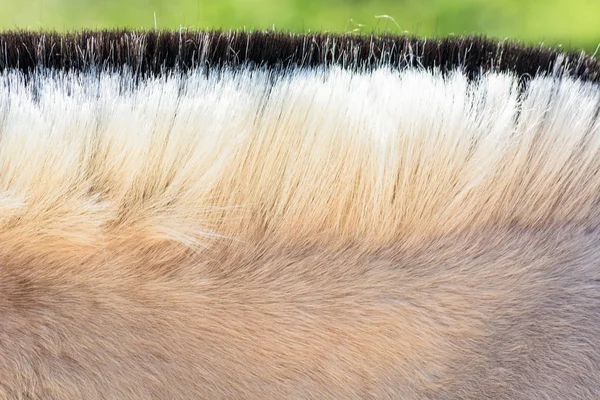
pixel 249 215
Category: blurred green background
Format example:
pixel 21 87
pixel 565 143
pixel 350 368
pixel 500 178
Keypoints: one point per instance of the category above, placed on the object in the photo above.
pixel 570 23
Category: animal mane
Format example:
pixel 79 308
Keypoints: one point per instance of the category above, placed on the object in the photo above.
pixel 202 163
pixel 286 147
pixel 159 52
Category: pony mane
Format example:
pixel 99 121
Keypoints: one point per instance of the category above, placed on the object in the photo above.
pixel 303 146
pixel 232 215
pixel 158 52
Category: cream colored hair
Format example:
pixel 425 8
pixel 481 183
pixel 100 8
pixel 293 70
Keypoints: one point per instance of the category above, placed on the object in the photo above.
pixel 313 233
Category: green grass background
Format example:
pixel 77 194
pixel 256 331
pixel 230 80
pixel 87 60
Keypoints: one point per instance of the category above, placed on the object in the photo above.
pixel 570 23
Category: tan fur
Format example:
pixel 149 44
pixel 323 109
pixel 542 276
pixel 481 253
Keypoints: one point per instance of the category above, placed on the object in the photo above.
pixel 326 235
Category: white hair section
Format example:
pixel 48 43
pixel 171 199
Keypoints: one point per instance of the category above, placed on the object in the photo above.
pixel 87 160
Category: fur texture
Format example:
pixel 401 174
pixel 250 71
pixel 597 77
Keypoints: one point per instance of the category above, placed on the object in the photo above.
pixel 284 231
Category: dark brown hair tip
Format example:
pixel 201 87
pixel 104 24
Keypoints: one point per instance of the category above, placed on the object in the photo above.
pixel 156 52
